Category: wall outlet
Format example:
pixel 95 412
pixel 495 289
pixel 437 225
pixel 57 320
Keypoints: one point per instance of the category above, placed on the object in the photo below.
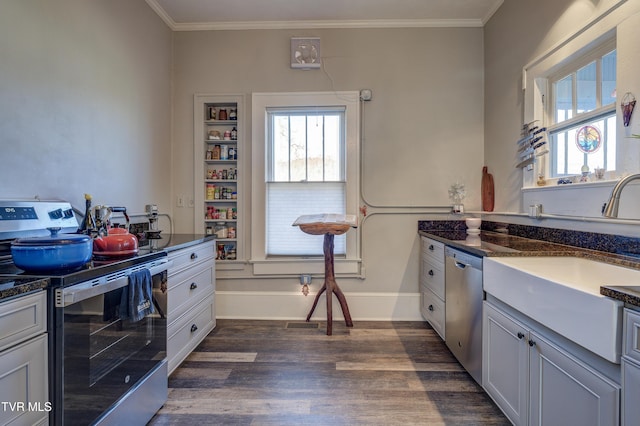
pixel 191 202
pixel 180 201
pixel 305 279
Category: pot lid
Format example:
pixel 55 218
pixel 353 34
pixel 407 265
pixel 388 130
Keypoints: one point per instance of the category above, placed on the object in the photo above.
pixel 54 239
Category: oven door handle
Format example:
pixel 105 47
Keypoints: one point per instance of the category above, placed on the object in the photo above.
pixel 79 292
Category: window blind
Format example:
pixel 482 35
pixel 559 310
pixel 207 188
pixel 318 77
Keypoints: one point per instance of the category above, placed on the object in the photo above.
pixel 286 201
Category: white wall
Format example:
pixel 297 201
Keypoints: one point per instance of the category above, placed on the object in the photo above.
pixel 85 102
pixel 423 131
pixel 509 47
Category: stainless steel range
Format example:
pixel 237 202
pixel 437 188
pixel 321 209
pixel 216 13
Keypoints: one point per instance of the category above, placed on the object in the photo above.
pixel 106 367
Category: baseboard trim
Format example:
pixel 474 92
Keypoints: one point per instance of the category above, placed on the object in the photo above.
pixel 274 305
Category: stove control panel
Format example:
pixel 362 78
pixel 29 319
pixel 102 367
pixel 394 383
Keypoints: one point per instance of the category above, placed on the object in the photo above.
pixel 20 219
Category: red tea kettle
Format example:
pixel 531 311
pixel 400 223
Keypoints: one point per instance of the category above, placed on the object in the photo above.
pixel 115 242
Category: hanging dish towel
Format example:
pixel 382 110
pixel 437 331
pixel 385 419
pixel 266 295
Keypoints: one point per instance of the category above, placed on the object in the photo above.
pixel 137 302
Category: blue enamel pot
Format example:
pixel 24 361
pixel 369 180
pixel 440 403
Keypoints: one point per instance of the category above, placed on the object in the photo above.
pixel 55 253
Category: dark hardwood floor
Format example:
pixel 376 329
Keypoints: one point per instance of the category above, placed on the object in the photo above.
pixel 284 373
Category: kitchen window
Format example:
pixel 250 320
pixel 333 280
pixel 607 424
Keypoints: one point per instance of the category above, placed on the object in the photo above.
pixel 305 160
pixel 581 114
pixel 305 175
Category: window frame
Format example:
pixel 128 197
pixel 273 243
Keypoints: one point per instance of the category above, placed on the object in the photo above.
pixel 570 67
pixel 261 102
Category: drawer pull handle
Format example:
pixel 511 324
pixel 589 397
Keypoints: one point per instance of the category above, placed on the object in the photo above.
pixel 520 335
pixel 193 286
pixel 431 272
pixel 194 328
pixel 430 308
pixel 431 247
pixel 194 256
pixel 532 343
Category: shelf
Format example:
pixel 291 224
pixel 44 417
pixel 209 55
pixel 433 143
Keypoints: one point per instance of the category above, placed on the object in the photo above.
pixel 220 122
pixel 205 106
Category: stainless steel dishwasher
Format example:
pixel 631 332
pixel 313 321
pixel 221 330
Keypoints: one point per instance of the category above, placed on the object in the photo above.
pixel 463 309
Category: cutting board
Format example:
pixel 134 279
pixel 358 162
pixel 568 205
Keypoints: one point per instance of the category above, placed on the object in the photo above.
pixel 487 190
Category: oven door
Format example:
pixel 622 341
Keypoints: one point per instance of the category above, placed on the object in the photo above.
pixel 100 356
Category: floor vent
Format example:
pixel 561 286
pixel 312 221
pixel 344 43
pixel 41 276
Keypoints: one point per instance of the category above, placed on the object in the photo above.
pixel 302 325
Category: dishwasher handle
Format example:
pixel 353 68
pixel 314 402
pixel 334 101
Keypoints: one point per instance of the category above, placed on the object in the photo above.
pixel 463 259
pixel 460 265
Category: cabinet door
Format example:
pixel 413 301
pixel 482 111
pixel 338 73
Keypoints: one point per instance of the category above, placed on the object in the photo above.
pixel 505 373
pixel 565 391
pixel 630 392
pixel 24 383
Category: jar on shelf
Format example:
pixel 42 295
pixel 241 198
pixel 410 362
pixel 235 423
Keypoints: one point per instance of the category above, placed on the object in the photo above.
pixel 231 232
pixel 233 114
pixel 221 254
pixel 231 254
pixel 216 153
pixel 221 230
pixel 211 191
pixel 222 114
pixel 234 134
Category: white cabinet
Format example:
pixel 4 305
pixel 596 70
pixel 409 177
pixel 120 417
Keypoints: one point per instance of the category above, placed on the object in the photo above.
pixel 23 360
pixel 219 151
pixel 190 300
pixel 536 382
pixel 631 368
pixel 432 298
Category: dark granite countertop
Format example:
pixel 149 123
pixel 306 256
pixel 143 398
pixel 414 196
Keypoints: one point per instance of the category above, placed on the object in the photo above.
pixel 492 244
pixel 173 242
pixel 19 286
pixel 629 295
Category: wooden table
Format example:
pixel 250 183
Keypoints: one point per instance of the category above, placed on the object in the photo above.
pixel 328 225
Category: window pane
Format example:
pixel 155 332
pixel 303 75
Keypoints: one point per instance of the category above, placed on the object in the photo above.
pixel 568 158
pixel 280 148
pixel 298 146
pixel 333 153
pixel 609 78
pixel 610 144
pixel 563 91
pixel 315 135
pixel 586 88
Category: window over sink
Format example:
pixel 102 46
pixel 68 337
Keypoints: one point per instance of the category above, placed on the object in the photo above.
pixel 581 114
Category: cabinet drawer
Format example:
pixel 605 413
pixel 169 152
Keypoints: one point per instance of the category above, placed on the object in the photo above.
pixel 631 343
pixel 432 275
pixel 190 256
pixel 189 331
pixel 22 318
pixel 189 291
pixel 432 249
pixel 432 308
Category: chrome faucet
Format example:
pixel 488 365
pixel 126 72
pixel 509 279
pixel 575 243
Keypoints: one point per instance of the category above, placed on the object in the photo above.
pixel 611 207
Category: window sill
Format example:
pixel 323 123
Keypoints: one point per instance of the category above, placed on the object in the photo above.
pixel 553 186
pixel 303 266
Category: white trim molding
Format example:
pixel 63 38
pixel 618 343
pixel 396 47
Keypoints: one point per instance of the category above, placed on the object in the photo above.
pixel 273 305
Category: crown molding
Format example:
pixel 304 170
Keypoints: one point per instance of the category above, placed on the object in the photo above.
pixel 296 25
pixel 494 8
pixel 287 25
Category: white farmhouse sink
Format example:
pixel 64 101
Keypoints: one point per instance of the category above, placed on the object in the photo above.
pixel 563 293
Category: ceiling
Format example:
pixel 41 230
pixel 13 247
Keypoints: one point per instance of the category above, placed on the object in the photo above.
pixel 193 15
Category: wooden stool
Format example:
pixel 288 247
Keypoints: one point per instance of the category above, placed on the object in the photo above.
pixel 328 225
